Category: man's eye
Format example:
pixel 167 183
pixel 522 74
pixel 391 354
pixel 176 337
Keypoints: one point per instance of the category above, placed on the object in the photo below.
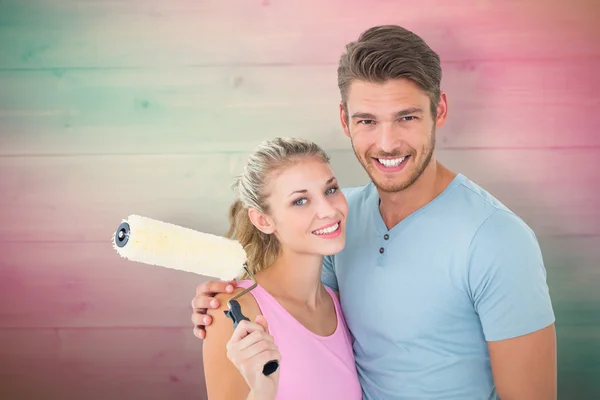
pixel 366 121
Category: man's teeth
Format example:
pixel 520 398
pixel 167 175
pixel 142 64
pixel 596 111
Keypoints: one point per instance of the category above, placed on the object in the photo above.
pixel 325 231
pixel 391 163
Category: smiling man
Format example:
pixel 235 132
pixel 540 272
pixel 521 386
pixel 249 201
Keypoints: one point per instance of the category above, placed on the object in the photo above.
pixel 442 286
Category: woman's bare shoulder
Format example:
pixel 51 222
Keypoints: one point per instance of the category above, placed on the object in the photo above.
pixel 247 302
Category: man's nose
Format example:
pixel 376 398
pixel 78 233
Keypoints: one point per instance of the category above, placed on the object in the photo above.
pixel 386 137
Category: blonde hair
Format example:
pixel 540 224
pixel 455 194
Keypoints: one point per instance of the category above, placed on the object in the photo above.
pixel 269 158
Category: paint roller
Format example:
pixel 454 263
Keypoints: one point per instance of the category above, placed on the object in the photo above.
pixel 163 244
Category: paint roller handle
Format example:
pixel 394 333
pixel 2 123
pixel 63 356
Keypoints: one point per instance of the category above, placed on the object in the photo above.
pixel 235 313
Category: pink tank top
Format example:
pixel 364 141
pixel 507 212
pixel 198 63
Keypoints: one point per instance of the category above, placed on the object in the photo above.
pixel 312 366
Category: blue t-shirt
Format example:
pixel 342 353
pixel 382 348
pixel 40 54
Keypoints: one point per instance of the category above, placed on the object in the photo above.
pixel 423 298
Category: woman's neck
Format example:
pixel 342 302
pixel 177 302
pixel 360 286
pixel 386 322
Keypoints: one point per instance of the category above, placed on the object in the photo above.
pixel 295 277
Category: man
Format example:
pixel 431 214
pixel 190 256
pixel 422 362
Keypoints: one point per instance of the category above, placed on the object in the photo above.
pixel 443 288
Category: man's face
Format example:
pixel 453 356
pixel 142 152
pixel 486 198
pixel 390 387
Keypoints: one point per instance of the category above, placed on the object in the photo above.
pixel 392 130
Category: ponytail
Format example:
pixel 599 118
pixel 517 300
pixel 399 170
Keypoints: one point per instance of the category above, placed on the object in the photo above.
pixel 261 249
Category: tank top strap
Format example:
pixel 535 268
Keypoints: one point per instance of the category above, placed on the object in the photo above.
pixel 336 304
pixel 342 328
pixel 259 294
pixel 267 304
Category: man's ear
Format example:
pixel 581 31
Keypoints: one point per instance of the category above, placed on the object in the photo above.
pixel 442 110
pixel 343 120
pixel 261 221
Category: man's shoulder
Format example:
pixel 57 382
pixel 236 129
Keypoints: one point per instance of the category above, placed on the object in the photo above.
pixel 487 210
pixel 504 230
pixel 489 227
pixel 357 194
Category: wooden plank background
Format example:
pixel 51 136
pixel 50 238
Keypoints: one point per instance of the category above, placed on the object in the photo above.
pixel 112 107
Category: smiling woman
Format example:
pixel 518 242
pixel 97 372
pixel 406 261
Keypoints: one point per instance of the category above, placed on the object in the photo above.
pixel 289 214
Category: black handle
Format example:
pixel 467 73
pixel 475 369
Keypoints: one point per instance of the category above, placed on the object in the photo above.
pixel 235 313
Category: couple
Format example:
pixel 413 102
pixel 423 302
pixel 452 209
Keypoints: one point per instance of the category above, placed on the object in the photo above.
pixel 418 285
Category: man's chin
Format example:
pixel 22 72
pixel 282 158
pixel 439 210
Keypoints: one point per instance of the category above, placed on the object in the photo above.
pixel 383 183
pixel 388 187
pixel 390 184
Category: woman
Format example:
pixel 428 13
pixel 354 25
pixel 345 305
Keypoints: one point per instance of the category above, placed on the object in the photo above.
pixel 288 215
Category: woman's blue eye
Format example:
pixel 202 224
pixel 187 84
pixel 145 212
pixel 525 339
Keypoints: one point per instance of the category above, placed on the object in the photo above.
pixel 298 202
pixel 304 200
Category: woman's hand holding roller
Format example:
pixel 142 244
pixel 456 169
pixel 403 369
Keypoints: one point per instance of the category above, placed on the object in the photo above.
pixel 249 349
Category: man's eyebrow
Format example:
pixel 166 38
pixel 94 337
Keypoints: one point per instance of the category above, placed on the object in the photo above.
pixel 363 115
pixel 329 182
pixel 401 113
pixel 408 111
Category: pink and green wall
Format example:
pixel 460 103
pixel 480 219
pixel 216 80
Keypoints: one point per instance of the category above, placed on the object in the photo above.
pixel 113 107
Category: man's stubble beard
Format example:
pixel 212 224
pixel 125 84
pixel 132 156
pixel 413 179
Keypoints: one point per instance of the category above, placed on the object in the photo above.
pixel 395 188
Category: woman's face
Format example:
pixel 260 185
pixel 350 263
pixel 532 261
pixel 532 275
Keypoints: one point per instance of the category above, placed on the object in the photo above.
pixel 307 209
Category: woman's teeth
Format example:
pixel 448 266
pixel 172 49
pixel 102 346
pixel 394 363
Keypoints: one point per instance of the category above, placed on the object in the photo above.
pixel 391 163
pixel 325 231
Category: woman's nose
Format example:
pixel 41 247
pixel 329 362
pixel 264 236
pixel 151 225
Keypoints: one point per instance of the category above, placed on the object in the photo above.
pixel 325 208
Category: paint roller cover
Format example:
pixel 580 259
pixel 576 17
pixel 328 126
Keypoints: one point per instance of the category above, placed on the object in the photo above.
pixel 171 246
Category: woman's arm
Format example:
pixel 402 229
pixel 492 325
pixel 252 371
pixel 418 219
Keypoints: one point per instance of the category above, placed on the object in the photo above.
pixel 223 379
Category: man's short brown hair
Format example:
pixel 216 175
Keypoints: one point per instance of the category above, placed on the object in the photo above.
pixel 388 52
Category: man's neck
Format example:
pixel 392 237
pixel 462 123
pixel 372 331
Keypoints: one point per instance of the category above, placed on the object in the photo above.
pixel 394 207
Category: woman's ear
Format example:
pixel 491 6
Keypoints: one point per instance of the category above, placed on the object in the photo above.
pixel 260 221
